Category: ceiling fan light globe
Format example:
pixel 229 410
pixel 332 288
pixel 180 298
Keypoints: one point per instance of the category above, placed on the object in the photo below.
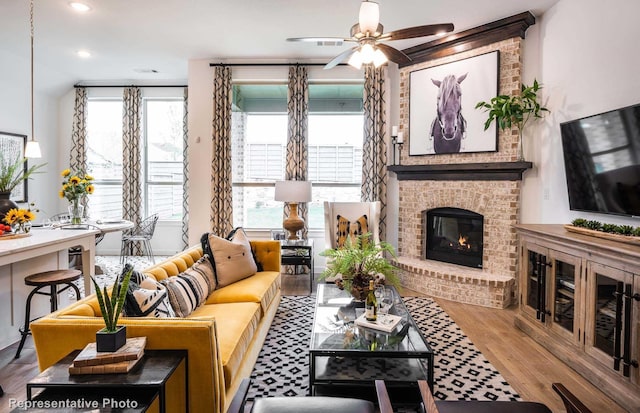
pixel 356 60
pixel 367 52
pixel 379 58
pixel 369 16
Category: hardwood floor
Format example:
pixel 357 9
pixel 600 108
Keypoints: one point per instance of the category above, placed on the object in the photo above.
pixel 528 367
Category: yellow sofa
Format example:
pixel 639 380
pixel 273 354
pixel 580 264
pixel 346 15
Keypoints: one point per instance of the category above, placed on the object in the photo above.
pixel 223 337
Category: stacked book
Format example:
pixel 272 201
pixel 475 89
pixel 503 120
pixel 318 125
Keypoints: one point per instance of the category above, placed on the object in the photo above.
pixel 90 361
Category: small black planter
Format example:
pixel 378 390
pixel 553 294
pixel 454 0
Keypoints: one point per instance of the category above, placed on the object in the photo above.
pixel 111 341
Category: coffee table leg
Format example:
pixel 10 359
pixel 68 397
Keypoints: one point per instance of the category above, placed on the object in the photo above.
pixel 312 373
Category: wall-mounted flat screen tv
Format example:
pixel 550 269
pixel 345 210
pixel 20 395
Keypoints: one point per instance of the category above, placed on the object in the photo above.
pixel 602 162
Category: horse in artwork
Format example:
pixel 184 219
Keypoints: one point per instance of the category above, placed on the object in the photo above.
pixel 449 127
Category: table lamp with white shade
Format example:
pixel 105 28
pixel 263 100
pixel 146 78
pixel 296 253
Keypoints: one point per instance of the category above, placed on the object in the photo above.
pixel 293 192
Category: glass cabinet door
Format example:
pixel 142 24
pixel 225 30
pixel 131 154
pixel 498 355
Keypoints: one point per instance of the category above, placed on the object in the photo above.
pixel 533 292
pixel 609 335
pixel 565 289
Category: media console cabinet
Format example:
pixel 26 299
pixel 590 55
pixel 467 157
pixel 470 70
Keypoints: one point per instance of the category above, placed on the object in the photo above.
pixel 579 297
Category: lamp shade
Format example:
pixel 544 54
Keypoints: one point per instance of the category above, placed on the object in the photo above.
pixel 293 191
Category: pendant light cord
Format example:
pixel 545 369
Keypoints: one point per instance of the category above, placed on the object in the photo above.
pixel 31 23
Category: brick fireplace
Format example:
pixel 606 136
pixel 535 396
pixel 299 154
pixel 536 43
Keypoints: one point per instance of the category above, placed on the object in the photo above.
pixel 484 183
pixel 493 285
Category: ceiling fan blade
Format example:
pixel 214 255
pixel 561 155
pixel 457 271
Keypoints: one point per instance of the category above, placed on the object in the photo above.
pixel 417 31
pixel 321 41
pixel 342 56
pixel 393 54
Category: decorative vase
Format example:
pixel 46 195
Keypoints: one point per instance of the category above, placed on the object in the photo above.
pixel 76 211
pixel 6 204
pixel 21 227
pixel 111 340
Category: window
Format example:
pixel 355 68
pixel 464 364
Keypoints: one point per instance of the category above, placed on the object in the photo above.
pixel 104 157
pixel 259 137
pixel 162 157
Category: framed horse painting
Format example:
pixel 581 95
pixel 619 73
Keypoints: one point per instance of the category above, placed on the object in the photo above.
pixel 442 100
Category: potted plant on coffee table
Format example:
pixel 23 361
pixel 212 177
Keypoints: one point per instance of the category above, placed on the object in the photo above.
pixel 514 110
pixel 112 336
pixel 358 262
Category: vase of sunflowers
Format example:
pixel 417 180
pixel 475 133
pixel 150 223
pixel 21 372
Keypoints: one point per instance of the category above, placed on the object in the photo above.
pixel 19 220
pixel 76 186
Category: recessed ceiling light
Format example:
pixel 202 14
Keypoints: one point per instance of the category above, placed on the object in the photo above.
pixel 85 54
pixel 81 7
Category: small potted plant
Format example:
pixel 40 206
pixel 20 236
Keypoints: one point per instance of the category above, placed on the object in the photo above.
pixel 112 336
pixel 514 110
pixel 12 173
pixel 358 262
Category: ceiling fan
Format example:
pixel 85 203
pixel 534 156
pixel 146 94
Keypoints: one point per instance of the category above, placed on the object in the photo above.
pixel 368 34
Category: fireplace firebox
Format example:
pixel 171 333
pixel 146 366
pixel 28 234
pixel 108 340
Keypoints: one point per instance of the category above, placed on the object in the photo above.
pixel 453 235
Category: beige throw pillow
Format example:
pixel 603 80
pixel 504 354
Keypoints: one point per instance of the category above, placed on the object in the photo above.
pixel 232 259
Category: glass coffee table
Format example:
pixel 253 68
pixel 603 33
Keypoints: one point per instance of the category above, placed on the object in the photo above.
pixel 345 358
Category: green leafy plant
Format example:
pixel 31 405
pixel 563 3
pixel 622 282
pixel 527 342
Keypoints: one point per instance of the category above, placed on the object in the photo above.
pixel 579 222
pixel 360 261
pixel 594 225
pixel 13 173
pixel 111 306
pixel 627 230
pixel 514 110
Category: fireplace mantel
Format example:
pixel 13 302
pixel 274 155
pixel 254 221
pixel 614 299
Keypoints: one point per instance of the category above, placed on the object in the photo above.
pixel 483 171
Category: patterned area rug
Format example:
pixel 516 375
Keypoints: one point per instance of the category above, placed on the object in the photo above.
pixel 461 371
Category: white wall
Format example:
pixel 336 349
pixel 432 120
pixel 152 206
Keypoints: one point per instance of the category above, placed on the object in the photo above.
pixel 585 54
pixel 15 117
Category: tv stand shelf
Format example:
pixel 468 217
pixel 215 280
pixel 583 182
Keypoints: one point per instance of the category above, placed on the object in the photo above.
pixel 579 297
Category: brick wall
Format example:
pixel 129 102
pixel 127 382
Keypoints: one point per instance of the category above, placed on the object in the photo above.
pixel 497 201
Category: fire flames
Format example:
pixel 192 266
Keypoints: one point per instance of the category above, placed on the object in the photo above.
pixel 462 243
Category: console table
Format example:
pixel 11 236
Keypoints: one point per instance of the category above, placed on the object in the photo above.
pixel 298 252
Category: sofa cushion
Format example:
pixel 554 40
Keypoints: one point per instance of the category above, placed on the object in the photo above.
pixel 236 324
pixel 260 288
pixel 232 259
pixel 188 290
pixel 147 298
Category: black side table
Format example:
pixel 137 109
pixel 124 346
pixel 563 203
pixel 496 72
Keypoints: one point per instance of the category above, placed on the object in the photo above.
pixel 298 252
pixel 144 384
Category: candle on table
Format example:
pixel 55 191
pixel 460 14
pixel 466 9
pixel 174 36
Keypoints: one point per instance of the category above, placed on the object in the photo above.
pixel 394 131
pixel 400 138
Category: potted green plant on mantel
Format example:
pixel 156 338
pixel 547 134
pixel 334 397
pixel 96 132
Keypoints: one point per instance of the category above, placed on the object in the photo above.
pixel 12 173
pixel 112 336
pixel 514 110
pixel 358 262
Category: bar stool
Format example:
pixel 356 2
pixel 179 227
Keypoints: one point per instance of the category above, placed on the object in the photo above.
pixel 47 279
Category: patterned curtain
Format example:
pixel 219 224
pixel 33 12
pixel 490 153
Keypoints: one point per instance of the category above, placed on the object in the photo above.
pixel 374 147
pixel 185 172
pixel 221 190
pixel 78 154
pixel 297 135
pixel 131 162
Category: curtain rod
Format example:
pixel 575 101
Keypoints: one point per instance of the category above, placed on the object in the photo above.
pixel 271 64
pixel 77 86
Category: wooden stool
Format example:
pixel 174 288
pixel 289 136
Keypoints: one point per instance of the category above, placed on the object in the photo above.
pixel 47 279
